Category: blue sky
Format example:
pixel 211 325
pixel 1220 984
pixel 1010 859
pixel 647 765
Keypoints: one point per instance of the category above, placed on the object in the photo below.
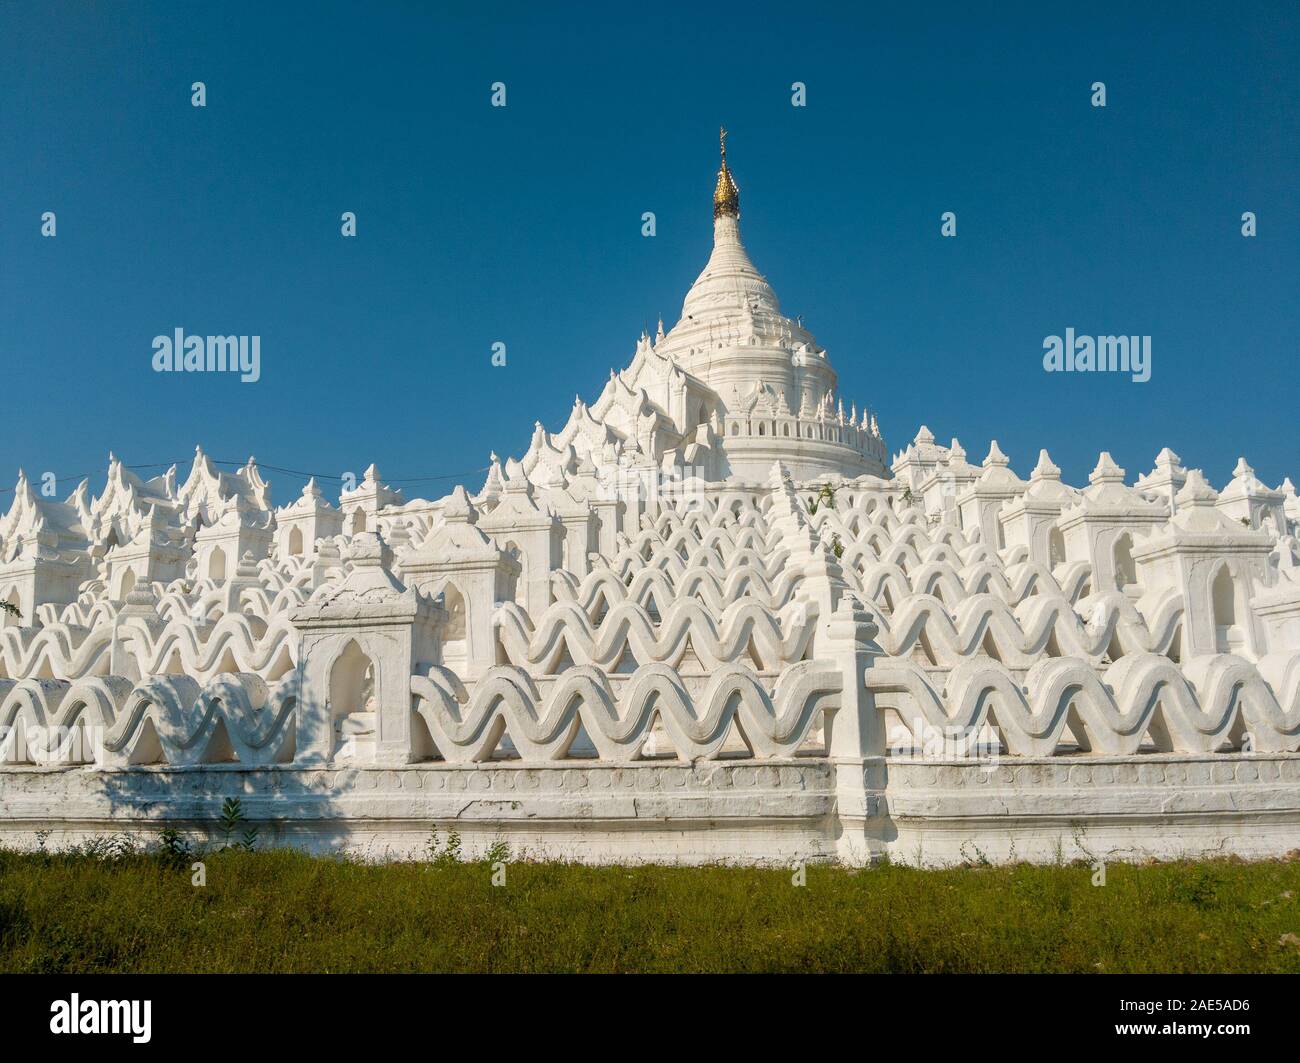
pixel 523 224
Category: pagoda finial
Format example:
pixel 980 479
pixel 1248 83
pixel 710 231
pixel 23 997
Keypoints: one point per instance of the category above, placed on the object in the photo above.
pixel 726 196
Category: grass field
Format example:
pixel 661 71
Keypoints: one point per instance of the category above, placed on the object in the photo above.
pixel 281 911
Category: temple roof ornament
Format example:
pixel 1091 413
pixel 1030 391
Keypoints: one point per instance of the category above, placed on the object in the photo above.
pixel 726 196
pixel 995 457
pixel 1046 469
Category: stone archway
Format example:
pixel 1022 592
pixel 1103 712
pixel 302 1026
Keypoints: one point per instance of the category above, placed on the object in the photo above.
pixel 1125 569
pixel 455 645
pixel 1223 606
pixel 12 617
pixel 353 700
pixel 1055 547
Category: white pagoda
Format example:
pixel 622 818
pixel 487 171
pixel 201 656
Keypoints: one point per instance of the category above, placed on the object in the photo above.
pixel 710 618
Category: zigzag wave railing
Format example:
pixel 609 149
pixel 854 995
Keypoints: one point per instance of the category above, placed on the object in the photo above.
pixel 628 626
pixel 171 719
pixel 1197 710
pixel 73 653
pixel 467 727
pixel 1020 640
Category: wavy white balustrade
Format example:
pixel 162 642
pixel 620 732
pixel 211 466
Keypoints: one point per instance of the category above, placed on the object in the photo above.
pixel 467 727
pixel 1141 699
pixel 111 722
pixel 744 628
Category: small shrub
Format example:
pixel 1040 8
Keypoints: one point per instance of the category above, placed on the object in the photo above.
pixel 232 819
pixel 445 855
pixel 174 850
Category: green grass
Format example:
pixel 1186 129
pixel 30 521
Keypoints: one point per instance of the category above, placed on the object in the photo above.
pixel 283 911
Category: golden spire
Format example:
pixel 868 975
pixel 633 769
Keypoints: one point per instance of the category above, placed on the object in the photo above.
pixel 726 196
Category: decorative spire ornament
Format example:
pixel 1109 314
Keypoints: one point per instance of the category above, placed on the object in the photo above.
pixel 726 196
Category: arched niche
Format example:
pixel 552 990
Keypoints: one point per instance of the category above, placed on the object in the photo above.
pixel 1055 547
pixel 454 632
pixel 353 695
pixel 515 590
pixel 12 618
pixel 1125 569
pixel 1228 636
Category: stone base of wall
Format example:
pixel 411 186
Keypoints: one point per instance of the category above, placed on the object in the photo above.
pixel 1158 806
pixel 770 812
pixel 717 812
